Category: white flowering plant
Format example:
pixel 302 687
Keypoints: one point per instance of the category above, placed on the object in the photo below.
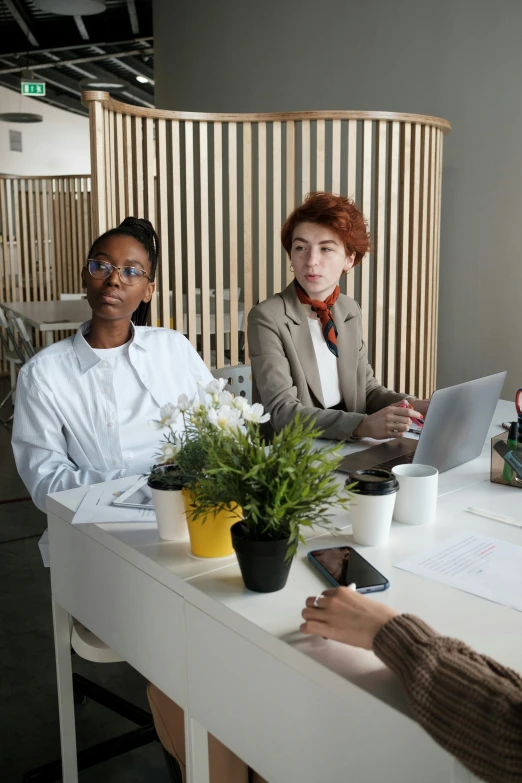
pixel 277 489
pixel 212 411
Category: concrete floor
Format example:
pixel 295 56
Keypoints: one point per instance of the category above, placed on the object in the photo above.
pixel 29 734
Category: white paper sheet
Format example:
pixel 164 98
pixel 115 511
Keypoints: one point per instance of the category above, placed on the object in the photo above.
pixel 483 566
pixel 97 507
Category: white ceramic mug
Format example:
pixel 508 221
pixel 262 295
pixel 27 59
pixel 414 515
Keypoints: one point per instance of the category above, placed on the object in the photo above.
pixel 417 499
pixel 372 507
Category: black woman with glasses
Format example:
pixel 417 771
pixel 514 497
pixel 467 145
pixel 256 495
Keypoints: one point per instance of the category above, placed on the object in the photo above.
pixel 83 405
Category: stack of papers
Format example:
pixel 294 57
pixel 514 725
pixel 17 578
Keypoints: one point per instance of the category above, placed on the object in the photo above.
pixel 483 566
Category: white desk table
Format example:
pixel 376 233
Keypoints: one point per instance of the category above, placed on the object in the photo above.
pixel 294 708
pixel 49 317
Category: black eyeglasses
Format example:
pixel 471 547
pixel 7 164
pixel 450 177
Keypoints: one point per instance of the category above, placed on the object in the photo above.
pixel 101 270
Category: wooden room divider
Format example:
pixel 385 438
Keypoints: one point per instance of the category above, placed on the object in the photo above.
pixel 45 231
pixel 218 187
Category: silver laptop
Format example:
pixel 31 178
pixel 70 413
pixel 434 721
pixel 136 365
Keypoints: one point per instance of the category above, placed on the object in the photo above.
pixel 454 431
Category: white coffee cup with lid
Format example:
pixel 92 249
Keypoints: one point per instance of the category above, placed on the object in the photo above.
pixel 372 509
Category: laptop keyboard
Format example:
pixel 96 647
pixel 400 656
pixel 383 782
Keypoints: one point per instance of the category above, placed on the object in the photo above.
pixel 404 459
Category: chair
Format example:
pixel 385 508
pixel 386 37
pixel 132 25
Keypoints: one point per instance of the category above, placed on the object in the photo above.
pixel 239 380
pixel 13 355
pixel 72 297
pixel 85 644
pixel 19 327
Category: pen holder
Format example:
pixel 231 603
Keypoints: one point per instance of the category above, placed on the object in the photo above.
pixel 500 470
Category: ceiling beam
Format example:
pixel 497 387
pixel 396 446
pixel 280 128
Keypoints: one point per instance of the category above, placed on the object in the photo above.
pixel 97 57
pixel 138 68
pixel 133 16
pixel 81 28
pixel 22 20
pixel 130 42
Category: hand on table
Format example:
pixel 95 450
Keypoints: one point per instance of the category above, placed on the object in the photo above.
pixel 345 616
pixel 390 422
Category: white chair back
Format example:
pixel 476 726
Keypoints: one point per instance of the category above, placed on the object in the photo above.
pixel 239 380
pixel 23 333
pixel 72 297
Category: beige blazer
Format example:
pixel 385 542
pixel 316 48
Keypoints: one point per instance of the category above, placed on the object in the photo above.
pixel 285 374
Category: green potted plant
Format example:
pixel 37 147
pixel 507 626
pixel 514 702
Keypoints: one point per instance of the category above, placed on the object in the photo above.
pixel 278 490
pixel 209 533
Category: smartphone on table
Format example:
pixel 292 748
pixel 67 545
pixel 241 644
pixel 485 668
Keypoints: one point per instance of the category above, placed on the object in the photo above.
pixel 343 565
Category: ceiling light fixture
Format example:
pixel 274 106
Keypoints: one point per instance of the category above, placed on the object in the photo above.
pixel 71 7
pixel 142 79
pixel 20 116
pixel 101 84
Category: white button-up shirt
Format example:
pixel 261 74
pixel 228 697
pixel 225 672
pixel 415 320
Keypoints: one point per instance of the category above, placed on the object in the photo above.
pixel 65 431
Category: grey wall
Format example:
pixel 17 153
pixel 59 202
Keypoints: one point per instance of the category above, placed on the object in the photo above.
pixel 457 59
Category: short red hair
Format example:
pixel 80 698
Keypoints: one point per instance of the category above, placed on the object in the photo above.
pixel 338 213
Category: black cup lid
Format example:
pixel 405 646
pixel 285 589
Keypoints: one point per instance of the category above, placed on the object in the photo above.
pixel 373 482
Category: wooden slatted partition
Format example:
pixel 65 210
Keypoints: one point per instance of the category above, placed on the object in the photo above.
pixel 45 234
pixel 218 187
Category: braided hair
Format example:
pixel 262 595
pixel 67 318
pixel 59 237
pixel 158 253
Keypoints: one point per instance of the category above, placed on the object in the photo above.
pixel 143 232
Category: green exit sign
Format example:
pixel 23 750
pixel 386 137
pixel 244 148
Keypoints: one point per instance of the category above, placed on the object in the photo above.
pixel 33 88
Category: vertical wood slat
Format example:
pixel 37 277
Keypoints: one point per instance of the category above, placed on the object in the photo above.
pixel 336 156
pixel 438 194
pixel 351 188
pixel 393 218
pixel 205 249
pixel 163 216
pixel 120 175
pixel 128 167
pixel 110 162
pixel 276 199
pixel 379 246
pixel 430 280
pixel 10 222
pixel 177 260
pixel 423 267
pixel 218 222
pixel 150 197
pixel 23 247
pixel 413 323
pixel 32 238
pixel 247 225
pixel 82 242
pixel 290 183
pixel 402 340
pixel 190 233
pixel 366 188
pixel 305 158
pixel 262 216
pixel 137 167
pixel 232 208
pixel 46 197
pixel 320 154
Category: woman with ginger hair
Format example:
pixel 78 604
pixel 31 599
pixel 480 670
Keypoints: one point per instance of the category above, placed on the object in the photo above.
pixel 306 343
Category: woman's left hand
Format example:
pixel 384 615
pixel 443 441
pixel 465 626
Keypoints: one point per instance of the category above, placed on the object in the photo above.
pixel 344 615
pixel 421 406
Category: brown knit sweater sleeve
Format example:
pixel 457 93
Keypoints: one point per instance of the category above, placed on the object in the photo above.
pixel 468 703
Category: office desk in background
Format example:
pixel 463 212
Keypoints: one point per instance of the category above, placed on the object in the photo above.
pixel 48 317
pixel 294 708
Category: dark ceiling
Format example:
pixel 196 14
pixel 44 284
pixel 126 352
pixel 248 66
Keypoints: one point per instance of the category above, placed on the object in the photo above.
pixel 111 47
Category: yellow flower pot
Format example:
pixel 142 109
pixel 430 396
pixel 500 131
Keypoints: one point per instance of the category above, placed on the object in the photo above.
pixel 210 535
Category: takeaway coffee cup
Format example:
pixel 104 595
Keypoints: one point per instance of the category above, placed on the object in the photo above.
pixel 417 501
pixel 372 508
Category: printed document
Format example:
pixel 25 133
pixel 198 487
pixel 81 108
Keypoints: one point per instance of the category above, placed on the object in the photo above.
pixel 483 566
pixel 97 507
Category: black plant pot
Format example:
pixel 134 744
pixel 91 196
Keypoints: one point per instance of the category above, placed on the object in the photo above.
pixel 262 563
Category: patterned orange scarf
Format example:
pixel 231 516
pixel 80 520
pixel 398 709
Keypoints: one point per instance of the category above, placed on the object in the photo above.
pixel 323 310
